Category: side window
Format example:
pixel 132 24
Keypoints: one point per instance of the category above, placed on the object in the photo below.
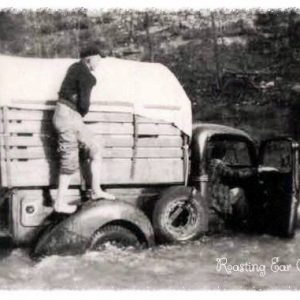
pixel 232 152
pixel 278 154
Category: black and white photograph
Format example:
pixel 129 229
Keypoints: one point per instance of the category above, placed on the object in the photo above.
pixel 149 148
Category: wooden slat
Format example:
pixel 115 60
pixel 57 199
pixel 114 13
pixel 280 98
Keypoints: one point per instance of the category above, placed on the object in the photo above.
pixel 35 106
pixel 3 170
pixel 157 129
pixel 108 140
pixel 162 106
pixel 109 117
pixel 100 128
pixel 40 115
pixel 114 172
pixel 33 153
pixel 8 173
pixel 50 104
pixel 2 157
pixel 160 141
pixel 141 119
pixel 2 143
pixel 30 141
pixel 3 174
pixel 44 140
pixel 51 153
pixel 93 116
pixel 32 115
pixel 46 127
pixel 95 106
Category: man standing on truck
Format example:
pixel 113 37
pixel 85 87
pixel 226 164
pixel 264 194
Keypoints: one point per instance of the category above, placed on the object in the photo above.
pixel 72 106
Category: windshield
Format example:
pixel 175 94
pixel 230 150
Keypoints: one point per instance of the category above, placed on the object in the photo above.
pixel 233 152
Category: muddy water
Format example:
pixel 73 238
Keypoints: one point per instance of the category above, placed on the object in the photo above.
pixel 189 266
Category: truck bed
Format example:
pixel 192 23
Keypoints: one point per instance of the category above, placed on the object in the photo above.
pixel 137 150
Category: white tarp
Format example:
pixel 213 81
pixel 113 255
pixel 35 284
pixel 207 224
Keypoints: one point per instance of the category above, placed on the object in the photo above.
pixel 147 89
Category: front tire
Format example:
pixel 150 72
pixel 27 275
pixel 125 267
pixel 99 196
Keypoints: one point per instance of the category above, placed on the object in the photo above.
pixel 180 215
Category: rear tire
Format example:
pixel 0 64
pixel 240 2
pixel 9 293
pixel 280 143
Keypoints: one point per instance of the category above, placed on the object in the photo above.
pixel 180 215
pixel 117 235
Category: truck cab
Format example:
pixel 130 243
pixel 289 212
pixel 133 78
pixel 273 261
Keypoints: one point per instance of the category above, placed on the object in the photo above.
pixel 257 187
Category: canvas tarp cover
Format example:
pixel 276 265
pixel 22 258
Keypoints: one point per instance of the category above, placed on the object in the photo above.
pixel 146 89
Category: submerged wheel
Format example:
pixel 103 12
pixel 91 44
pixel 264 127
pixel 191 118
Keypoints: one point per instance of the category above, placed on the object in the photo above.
pixel 179 215
pixel 116 235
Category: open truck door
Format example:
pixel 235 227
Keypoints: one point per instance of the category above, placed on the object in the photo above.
pixel 279 177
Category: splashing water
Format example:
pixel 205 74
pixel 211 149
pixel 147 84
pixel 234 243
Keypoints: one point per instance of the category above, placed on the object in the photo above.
pixel 188 266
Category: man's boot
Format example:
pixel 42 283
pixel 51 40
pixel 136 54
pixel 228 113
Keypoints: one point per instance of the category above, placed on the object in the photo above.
pixel 102 195
pixel 60 204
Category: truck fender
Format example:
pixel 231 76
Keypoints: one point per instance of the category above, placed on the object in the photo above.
pixel 72 235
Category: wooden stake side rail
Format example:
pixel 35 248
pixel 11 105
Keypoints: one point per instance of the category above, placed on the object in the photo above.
pixel 2 151
pixel 41 140
pixel 28 146
pixel 97 128
pixel 51 153
pixel 6 150
pixel 14 114
pixel 39 172
pixel 47 115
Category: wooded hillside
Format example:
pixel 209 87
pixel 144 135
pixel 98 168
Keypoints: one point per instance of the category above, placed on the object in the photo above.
pixel 236 66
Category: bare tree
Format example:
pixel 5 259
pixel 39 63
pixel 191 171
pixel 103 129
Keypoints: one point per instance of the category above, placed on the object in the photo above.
pixel 216 48
pixel 147 21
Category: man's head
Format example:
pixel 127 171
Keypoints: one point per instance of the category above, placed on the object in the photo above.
pixel 91 56
pixel 218 151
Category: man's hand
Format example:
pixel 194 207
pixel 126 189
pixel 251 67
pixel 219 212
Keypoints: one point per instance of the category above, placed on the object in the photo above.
pixel 217 162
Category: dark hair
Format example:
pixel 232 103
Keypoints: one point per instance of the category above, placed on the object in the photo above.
pixel 218 151
pixel 89 51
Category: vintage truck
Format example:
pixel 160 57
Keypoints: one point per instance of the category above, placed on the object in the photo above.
pixel 158 164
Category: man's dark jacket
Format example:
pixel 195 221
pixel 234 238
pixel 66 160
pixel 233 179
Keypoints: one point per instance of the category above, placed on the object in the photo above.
pixel 76 88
